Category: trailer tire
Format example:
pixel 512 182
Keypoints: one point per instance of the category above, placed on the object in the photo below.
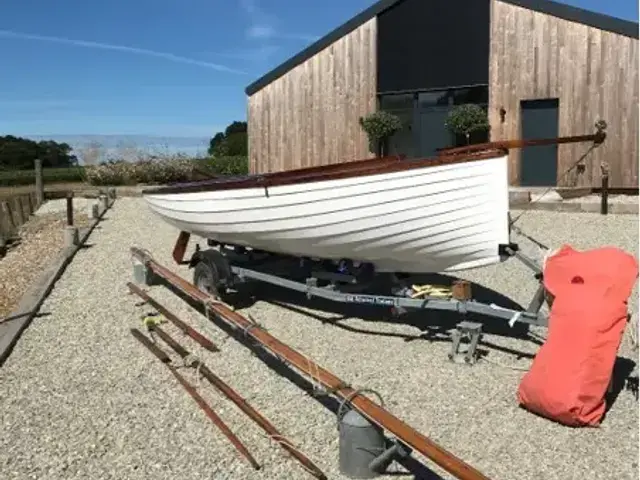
pixel 211 273
pixel 205 277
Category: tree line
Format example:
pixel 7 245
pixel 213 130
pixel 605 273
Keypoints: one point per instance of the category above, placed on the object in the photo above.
pixel 18 153
pixel 230 143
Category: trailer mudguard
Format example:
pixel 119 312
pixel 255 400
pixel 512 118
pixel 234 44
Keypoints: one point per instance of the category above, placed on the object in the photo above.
pixel 569 377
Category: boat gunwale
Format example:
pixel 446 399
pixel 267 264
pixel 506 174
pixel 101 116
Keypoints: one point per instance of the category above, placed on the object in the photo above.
pixel 358 168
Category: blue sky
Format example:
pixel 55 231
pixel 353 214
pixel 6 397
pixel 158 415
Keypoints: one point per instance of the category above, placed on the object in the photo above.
pixel 156 67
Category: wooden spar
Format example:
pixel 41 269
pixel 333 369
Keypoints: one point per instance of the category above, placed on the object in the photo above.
pixel 597 138
pixel 186 329
pixel 213 416
pixel 243 405
pixel 375 413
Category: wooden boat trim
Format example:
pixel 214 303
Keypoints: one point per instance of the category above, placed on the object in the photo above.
pixel 322 173
pixel 597 138
pixel 215 181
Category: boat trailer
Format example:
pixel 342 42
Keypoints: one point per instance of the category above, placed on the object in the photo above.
pixel 224 267
pixel 406 437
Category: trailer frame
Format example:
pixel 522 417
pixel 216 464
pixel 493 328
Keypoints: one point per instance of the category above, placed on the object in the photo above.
pixel 224 267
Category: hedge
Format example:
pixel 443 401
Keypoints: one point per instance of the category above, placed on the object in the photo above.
pixel 163 171
pixel 148 171
pixel 16 178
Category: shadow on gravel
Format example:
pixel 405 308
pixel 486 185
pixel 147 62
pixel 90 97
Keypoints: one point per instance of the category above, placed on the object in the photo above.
pixel 621 380
pixel 434 326
pixel 414 468
pixel 22 315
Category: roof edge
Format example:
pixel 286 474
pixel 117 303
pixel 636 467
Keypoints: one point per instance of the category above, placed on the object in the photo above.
pixel 590 18
pixel 319 45
pixel 600 21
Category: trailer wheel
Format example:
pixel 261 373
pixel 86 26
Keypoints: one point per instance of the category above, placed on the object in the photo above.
pixel 212 273
pixel 206 278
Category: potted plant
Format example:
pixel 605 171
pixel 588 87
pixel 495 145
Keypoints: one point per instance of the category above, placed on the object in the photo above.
pixel 468 123
pixel 380 126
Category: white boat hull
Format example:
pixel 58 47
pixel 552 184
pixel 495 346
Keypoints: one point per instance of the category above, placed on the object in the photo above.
pixel 432 219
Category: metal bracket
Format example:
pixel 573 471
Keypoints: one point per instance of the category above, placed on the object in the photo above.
pixel 472 333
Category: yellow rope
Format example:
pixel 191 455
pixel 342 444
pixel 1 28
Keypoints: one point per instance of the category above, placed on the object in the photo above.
pixel 431 291
pixel 151 320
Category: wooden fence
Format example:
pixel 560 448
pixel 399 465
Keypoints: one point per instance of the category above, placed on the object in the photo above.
pixel 15 211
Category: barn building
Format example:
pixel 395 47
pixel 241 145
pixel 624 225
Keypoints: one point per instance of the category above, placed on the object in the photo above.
pixel 540 68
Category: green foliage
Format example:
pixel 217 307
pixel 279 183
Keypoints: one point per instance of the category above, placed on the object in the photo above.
pixel 467 119
pixel 233 142
pixel 16 178
pixel 380 125
pixel 238 165
pixel 19 153
pixel 217 139
pixel 163 171
pixel 235 127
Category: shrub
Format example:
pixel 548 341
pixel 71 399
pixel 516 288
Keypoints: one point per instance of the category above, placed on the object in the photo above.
pixel 146 170
pixel 164 170
pixel 143 171
pixel 379 127
pixel 464 120
pixel 238 165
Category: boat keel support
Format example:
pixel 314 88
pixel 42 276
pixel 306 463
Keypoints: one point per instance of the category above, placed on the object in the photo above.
pixel 180 247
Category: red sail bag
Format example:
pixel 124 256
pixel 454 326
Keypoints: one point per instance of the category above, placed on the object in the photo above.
pixel 570 374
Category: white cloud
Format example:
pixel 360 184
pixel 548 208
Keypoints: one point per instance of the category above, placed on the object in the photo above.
pixel 263 25
pixel 120 48
pixel 261 31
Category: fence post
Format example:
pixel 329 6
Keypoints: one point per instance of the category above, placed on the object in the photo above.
pixel 604 194
pixel 39 183
pixel 70 209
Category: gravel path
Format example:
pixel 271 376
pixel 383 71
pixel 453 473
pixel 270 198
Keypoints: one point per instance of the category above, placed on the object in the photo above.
pixel 41 239
pixel 81 399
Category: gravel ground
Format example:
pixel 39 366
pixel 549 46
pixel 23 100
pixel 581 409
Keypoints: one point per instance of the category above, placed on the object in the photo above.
pixel 553 196
pixel 41 239
pixel 82 399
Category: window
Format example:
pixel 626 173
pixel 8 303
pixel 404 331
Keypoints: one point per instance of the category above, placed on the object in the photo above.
pixel 438 98
pixel 402 105
pixel 478 95
pixel 402 101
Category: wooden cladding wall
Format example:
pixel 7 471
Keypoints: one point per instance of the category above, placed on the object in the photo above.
pixel 593 73
pixel 310 115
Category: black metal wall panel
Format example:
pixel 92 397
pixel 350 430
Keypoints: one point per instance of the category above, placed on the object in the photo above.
pixel 427 44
